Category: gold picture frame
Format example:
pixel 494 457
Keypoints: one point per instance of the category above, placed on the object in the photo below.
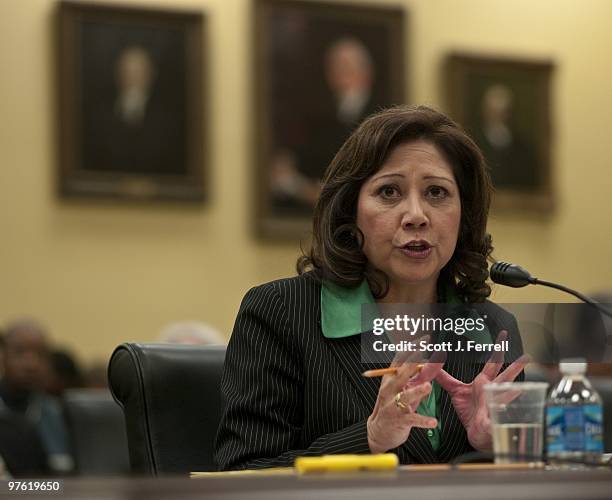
pixel 130 103
pixel 505 105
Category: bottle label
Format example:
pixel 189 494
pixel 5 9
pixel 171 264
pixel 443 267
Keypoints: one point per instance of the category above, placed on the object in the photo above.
pixel 593 428
pixel 574 428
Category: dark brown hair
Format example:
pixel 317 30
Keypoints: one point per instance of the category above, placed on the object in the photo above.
pixel 336 250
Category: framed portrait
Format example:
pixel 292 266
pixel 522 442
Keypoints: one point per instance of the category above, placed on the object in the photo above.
pixel 321 68
pixel 130 103
pixel 505 105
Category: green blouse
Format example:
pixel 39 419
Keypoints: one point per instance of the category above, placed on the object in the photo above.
pixel 341 317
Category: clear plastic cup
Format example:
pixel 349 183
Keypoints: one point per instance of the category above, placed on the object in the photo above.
pixel 517 420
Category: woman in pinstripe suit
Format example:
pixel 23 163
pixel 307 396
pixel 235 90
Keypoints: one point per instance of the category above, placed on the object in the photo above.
pixel 401 219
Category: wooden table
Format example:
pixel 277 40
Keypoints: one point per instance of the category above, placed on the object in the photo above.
pixel 401 484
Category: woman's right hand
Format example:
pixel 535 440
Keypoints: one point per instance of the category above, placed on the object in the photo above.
pixel 390 424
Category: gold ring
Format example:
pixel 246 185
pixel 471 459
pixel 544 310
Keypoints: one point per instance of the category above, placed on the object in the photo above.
pixel 398 401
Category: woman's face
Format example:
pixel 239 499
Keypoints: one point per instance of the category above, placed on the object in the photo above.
pixel 409 212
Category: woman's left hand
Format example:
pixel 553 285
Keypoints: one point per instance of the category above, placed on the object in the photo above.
pixel 469 399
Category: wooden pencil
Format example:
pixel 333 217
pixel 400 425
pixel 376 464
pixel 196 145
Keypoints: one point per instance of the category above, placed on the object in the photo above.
pixel 387 371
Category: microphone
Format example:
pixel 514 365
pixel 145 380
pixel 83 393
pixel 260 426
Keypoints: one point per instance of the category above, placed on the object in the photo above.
pixel 504 273
pixel 512 275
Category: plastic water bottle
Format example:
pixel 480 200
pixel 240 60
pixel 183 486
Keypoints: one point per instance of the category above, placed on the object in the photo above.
pixel 574 418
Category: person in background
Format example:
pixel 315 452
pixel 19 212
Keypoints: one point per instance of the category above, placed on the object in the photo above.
pixel 595 330
pixel 191 332
pixel 26 360
pixel 64 373
pixel 21 448
pixel 95 375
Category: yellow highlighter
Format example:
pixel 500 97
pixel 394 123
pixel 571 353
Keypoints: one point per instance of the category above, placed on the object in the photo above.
pixel 344 463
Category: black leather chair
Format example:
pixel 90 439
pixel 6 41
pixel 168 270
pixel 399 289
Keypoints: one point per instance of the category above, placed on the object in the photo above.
pixel 97 431
pixel 171 401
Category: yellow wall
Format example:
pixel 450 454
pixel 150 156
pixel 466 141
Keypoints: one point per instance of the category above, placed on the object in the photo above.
pixel 99 274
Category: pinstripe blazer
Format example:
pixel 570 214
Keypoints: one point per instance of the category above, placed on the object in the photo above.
pixel 288 391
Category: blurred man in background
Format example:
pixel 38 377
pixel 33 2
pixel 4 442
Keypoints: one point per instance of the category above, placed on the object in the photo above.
pixel 26 361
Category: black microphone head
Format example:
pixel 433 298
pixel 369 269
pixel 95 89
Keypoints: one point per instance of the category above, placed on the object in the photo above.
pixel 512 275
